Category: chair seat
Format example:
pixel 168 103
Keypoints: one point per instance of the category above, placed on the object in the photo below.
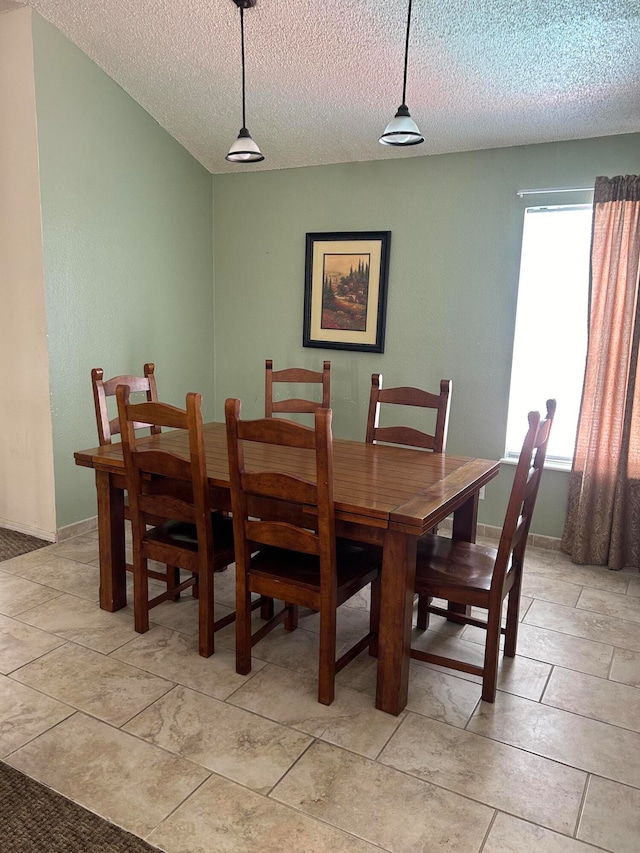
pixel 452 563
pixel 352 559
pixel 184 535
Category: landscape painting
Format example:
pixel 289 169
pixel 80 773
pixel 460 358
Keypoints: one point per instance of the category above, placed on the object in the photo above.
pixel 346 290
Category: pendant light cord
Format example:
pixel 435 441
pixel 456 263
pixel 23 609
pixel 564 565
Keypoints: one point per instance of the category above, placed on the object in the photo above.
pixel 406 57
pixel 244 122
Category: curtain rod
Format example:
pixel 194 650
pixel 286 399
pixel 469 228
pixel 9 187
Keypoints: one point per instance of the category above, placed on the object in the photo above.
pixel 545 190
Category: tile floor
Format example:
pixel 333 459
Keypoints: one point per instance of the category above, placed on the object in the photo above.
pixel 184 752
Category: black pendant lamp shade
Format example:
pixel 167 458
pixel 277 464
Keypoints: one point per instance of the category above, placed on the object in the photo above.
pixel 244 149
pixel 402 129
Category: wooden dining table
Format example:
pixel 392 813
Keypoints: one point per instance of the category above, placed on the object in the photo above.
pixel 384 495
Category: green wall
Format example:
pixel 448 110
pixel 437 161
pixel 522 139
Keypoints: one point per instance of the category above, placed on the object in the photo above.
pixel 130 235
pixel 128 254
pixel 456 225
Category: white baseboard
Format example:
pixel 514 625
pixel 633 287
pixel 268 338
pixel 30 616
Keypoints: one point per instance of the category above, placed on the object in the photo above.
pixel 77 528
pixel 29 529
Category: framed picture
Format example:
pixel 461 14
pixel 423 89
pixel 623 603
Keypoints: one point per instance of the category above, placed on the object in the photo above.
pixel 345 297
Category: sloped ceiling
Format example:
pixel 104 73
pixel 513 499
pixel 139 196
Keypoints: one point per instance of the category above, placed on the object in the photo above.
pixel 325 77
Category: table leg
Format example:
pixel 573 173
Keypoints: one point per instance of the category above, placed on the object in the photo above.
pixel 465 522
pixel 113 589
pixel 394 638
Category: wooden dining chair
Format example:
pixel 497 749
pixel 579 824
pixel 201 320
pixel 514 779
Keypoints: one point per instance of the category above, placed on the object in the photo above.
pixel 408 396
pixel 172 489
pixel 105 388
pixel 108 427
pixel 435 441
pixel 300 561
pixel 479 576
pixel 296 375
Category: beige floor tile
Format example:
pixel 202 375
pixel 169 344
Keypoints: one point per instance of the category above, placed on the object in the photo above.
pixel 234 743
pixel 360 675
pixel 291 698
pixel 175 656
pixel 25 714
pixel 224 585
pixel 527 785
pixel 67 576
pixel 17 565
pixel 107 689
pixel 549 589
pixel 448 646
pixel 296 650
pixel 361 600
pixel 560 649
pixel 522 676
pixel 525 604
pixel 559 566
pixel 611 816
pixel 512 835
pixel 18 594
pixel 129 782
pixel 223 817
pixel 382 805
pixel 585 624
pixel 181 615
pixel 610 603
pixel 626 667
pixel 334 779
pixel 351 623
pixel 473 634
pixel 547 557
pixel 20 643
pixel 597 698
pixel 442 696
pixel 630 571
pixel 577 741
pixel 83 548
pixel 83 622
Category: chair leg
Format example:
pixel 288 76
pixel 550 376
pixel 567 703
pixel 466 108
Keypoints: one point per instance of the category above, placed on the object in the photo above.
pixel 243 625
pixel 205 615
pixel 491 652
pixel 374 616
pixel 422 621
pixel 513 621
pixel 266 608
pixel 327 661
pixel 173 580
pixel 291 621
pixel 140 595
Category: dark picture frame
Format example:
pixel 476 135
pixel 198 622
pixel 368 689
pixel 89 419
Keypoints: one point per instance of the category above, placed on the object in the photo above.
pixel 345 296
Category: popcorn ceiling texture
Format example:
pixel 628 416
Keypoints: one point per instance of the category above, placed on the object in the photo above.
pixel 325 77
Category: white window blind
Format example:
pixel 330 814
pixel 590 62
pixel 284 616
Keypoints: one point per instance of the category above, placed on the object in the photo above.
pixel 550 340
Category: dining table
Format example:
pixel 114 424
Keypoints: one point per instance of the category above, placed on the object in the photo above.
pixel 384 495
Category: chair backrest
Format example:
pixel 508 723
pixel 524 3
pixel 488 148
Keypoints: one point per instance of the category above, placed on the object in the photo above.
pixel 163 484
pixel 407 396
pixel 522 500
pixel 311 486
pixel 299 375
pixel 103 388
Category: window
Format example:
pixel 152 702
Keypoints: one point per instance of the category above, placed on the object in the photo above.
pixel 552 310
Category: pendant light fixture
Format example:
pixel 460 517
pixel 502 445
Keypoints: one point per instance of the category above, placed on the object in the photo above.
pixel 244 149
pixel 402 129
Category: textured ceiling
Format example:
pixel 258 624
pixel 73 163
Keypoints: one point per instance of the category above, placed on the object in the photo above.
pixel 324 77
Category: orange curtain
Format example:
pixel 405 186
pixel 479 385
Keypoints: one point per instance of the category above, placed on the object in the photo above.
pixel 603 515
